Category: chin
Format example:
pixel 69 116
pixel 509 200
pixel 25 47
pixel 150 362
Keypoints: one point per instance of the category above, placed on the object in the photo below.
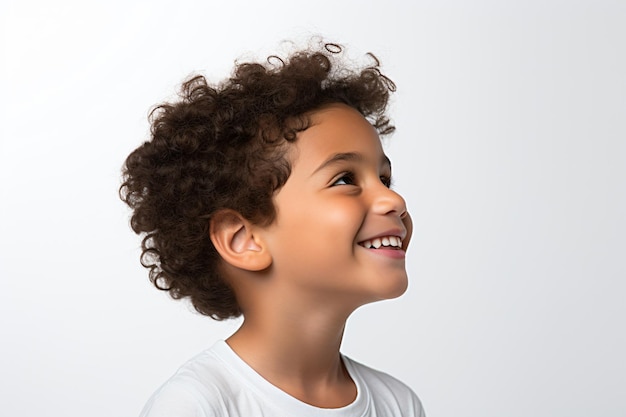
pixel 394 288
pixel 401 289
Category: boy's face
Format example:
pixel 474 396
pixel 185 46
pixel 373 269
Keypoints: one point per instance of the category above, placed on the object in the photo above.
pixel 334 206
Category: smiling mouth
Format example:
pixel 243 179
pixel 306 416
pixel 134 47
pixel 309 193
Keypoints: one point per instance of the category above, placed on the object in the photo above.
pixel 387 242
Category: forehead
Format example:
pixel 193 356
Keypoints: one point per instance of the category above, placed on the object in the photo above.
pixel 336 129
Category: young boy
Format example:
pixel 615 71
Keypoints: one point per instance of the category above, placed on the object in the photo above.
pixel 268 196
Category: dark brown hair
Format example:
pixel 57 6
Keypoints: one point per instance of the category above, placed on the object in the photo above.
pixel 223 147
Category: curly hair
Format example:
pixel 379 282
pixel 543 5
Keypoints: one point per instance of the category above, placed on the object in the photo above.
pixel 224 146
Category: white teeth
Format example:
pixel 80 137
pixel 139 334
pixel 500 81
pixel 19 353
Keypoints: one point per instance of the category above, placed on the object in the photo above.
pixel 392 241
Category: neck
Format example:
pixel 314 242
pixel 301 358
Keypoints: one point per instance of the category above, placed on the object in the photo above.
pixel 297 352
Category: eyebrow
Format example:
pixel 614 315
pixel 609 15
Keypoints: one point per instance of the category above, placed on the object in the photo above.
pixel 347 156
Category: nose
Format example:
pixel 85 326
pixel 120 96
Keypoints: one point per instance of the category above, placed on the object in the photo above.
pixel 387 201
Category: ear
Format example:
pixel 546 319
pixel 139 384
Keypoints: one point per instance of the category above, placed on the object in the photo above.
pixel 235 240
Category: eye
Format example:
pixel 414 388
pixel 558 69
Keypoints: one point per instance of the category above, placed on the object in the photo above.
pixel 386 180
pixel 347 178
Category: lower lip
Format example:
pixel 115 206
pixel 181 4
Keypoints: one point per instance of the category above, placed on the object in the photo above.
pixel 390 253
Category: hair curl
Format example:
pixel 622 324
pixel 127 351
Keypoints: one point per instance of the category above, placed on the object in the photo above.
pixel 223 147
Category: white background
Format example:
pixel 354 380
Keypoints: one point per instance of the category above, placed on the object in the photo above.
pixel 510 149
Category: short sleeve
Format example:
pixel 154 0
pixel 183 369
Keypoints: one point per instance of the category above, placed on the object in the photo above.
pixel 175 399
pixel 417 406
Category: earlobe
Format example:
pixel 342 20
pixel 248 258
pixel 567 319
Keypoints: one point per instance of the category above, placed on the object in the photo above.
pixel 235 240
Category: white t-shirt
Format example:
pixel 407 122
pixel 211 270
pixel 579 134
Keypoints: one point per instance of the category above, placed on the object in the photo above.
pixel 218 383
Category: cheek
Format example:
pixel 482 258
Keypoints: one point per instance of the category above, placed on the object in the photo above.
pixel 322 223
pixel 340 215
pixel 408 224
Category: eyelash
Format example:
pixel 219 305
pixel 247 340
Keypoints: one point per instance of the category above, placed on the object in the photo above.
pixel 351 179
pixel 346 175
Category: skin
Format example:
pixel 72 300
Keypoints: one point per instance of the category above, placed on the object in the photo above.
pixel 298 279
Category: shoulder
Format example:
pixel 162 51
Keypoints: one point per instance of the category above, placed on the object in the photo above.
pixel 197 389
pixel 175 397
pixel 388 394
